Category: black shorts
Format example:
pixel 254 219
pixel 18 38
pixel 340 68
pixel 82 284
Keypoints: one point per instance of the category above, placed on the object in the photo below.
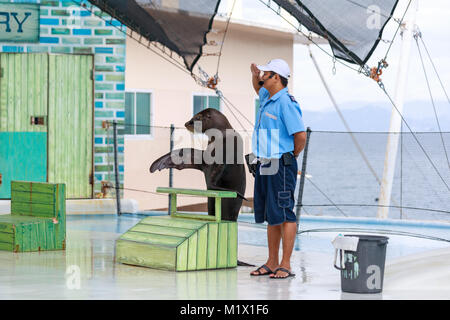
pixel 274 193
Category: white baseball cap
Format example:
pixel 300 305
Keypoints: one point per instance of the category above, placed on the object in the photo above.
pixel 278 66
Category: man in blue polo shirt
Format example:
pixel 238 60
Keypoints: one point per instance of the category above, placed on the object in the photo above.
pixel 278 138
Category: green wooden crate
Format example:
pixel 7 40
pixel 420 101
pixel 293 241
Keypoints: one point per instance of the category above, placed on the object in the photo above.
pixel 181 242
pixel 38 218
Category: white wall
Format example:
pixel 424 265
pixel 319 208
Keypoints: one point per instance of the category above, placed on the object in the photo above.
pixel 173 90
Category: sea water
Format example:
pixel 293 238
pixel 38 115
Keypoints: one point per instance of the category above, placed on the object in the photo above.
pixel 342 184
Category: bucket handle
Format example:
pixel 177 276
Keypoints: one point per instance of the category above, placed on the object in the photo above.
pixel 342 258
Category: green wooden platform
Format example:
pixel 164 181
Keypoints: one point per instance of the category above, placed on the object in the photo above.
pixel 38 218
pixel 181 241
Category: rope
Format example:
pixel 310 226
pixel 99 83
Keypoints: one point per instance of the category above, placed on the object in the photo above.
pixel 431 97
pixel 224 35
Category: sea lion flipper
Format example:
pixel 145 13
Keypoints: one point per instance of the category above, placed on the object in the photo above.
pixel 186 158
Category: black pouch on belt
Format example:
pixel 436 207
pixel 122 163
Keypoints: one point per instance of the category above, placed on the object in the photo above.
pixel 288 158
pixel 251 167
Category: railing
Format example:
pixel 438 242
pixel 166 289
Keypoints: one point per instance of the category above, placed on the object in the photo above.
pixel 341 178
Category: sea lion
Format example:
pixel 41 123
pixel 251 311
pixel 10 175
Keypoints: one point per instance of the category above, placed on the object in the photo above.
pixel 228 174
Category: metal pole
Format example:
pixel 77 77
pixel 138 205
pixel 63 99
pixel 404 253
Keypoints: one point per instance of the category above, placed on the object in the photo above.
pixel 396 120
pixel 302 178
pixel 116 168
pixel 172 128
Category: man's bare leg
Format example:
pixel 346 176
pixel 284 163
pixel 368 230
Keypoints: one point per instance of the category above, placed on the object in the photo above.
pixel 288 233
pixel 273 240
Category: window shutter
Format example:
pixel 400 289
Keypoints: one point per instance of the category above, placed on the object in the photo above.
pixel 129 113
pixel 142 113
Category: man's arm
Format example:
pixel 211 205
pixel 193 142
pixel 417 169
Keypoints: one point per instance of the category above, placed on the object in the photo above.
pixel 255 77
pixel 299 142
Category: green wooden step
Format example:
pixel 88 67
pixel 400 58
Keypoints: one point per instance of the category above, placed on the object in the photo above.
pixel 34 187
pixel 177 244
pixel 32 234
pixel 38 219
pixel 182 242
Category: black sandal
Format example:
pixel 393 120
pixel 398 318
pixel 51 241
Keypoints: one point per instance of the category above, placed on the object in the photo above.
pixel 290 274
pixel 259 271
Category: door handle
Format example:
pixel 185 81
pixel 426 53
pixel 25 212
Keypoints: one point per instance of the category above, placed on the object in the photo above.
pixel 0 179
pixel 38 120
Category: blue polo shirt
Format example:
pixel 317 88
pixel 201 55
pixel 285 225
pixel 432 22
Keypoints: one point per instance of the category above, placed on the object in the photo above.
pixel 277 120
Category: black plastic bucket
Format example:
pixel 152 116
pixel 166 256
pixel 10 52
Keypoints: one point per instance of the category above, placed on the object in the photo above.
pixel 363 271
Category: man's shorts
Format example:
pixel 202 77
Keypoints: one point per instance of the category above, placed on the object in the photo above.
pixel 274 194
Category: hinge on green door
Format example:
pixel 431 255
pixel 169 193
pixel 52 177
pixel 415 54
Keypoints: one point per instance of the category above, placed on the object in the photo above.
pixel 92 74
pixel 1 72
pixel 91 178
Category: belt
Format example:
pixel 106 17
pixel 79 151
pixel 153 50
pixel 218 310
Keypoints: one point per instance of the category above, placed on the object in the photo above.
pixel 264 160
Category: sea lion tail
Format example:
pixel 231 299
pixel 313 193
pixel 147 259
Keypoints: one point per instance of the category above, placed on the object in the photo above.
pixel 244 264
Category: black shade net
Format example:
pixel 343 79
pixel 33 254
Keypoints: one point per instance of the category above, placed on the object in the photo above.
pixel 352 27
pixel 181 26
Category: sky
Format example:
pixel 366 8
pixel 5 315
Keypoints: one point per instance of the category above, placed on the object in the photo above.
pixel 353 90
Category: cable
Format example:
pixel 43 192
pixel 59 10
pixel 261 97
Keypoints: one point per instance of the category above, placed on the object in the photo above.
pixel 396 31
pixel 374 205
pixel 380 231
pixel 434 67
pixel 410 156
pixel 224 35
pixel 417 140
pixel 220 95
pixel 359 230
pixel 237 109
pixel 309 37
pixel 156 193
pixel 372 11
pixel 432 100
pixel 341 116
pixel 162 54
pixel 323 193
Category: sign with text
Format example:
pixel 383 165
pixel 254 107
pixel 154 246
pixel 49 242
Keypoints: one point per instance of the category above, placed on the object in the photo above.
pixel 19 22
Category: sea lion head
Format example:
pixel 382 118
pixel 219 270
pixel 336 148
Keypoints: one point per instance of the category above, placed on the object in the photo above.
pixel 210 119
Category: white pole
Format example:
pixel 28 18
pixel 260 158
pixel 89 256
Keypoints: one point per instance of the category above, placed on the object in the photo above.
pixel 396 120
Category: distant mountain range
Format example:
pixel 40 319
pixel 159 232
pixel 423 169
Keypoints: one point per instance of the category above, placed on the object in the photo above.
pixel 362 117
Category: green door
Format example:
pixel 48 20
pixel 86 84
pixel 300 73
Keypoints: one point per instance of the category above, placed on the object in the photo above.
pixel 23 114
pixel 50 98
pixel 70 126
